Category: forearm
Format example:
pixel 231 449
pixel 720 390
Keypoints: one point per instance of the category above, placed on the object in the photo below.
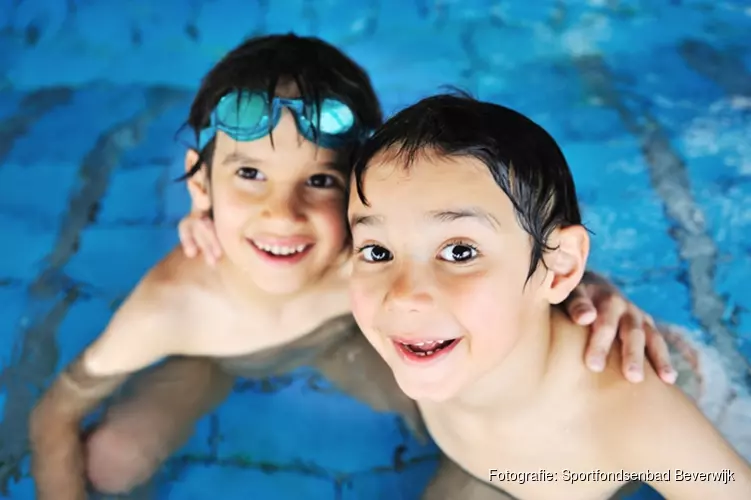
pixel 58 460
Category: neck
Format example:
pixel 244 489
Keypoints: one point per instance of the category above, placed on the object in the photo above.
pixel 521 374
pixel 243 288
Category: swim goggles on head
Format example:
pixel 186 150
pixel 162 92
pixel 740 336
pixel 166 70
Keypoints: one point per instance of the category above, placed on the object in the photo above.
pixel 247 116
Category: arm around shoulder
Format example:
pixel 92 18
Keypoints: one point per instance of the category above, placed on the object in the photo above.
pixel 665 432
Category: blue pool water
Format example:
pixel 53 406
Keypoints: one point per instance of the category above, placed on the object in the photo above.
pixel 651 101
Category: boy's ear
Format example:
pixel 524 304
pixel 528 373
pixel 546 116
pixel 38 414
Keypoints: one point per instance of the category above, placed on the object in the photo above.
pixel 198 183
pixel 567 263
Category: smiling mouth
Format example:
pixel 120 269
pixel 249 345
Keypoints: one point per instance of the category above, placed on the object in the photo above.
pixel 426 349
pixel 280 250
pixel 275 253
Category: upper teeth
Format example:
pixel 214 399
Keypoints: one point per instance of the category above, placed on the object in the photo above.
pixel 427 347
pixel 429 343
pixel 280 250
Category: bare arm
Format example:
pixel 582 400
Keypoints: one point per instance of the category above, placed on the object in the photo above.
pixel 57 455
pixel 133 340
pixel 670 433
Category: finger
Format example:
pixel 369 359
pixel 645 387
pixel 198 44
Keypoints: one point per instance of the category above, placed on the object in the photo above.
pixel 633 341
pixel 658 352
pixel 604 330
pixel 212 241
pixel 186 240
pixel 580 307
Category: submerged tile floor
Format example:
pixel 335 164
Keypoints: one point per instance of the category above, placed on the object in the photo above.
pixel 651 102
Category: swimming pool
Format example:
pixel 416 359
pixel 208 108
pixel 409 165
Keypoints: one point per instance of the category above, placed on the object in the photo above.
pixel 650 100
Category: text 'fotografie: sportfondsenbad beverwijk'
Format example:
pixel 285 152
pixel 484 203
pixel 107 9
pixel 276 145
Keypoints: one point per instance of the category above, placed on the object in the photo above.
pixel 724 476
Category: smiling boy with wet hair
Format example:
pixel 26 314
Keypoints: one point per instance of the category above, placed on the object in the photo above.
pixel 274 129
pixel 467 233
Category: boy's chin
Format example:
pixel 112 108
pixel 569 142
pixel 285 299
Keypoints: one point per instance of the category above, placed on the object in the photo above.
pixel 427 392
pixel 283 280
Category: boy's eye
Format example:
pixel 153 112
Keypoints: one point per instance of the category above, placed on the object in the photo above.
pixel 250 173
pixel 458 252
pixel 322 181
pixel 375 253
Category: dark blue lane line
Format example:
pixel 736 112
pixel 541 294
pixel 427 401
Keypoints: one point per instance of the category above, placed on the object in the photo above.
pixel 725 69
pixel 33 106
pixel 51 294
pixel 671 181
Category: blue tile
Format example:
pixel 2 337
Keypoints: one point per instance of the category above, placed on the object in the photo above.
pixel 609 171
pixel 734 284
pixel 9 103
pixel 67 133
pixel 200 482
pixel 84 322
pixel 161 142
pixel 627 243
pixel 664 297
pixel 3 400
pixel 630 235
pixel 12 303
pixel 22 490
pixel 114 259
pixel 348 437
pixel 219 31
pixel 133 196
pixel 32 241
pixel 724 197
pixel 407 484
pixel 177 202
pixel 199 444
pixel 39 193
pixel 411 450
pixel 48 18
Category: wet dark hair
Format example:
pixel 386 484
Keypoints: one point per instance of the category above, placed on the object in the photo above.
pixel 318 69
pixel 522 157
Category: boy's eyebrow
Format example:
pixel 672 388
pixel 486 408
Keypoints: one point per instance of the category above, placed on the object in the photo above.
pixel 477 213
pixel 365 220
pixel 463 213
pixel 332 165
pixel 238 157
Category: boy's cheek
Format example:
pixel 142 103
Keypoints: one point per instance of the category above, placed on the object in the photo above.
pixel 333 219
pixel 361 303
pixel 366 298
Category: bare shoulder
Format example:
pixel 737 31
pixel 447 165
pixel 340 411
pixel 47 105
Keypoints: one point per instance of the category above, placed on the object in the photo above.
pixel 153 321
pixel 655 426
pixel 647 426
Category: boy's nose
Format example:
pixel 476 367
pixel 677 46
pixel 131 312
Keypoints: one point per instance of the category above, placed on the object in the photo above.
pixel 283 207
pixel 411 290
